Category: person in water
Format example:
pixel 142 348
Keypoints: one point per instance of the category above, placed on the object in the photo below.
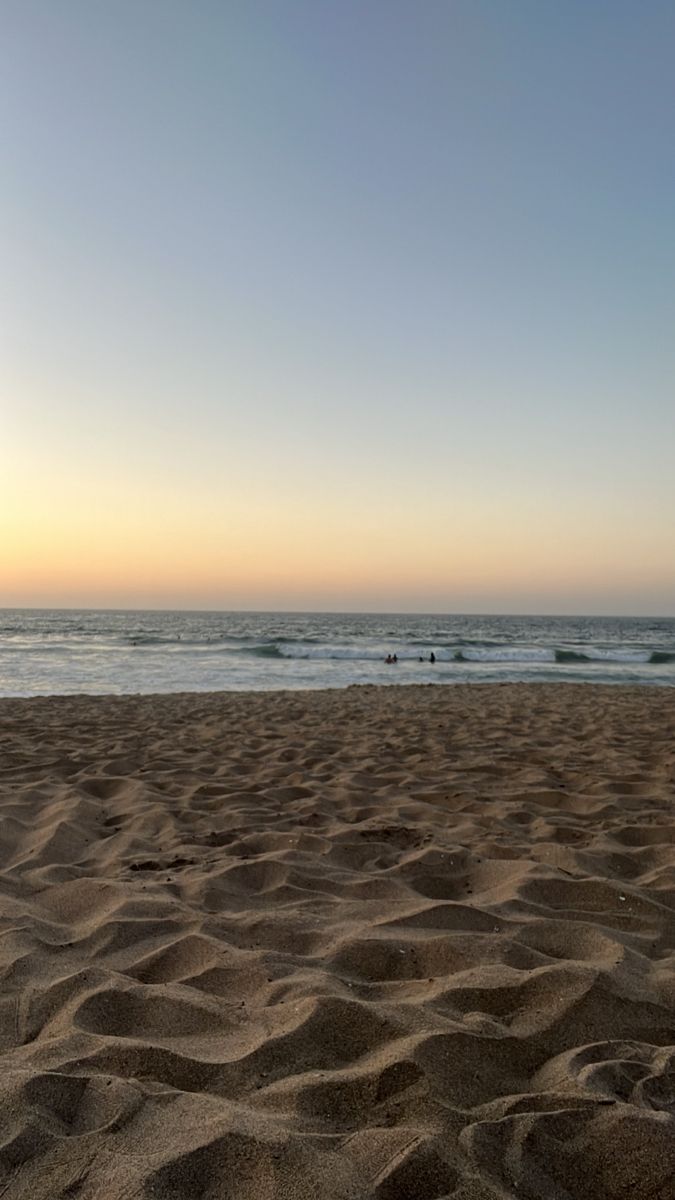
pixel 432 657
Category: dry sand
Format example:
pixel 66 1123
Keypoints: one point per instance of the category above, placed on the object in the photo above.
pixel 400 943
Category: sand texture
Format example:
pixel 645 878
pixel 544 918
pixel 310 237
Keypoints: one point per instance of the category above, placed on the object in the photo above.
pixel 399 943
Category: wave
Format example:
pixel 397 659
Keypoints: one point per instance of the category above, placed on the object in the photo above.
pixel 339 652
pixel 477 654
pixel 592 654
pixel 366 650
pixel 613 655
pixel 513 654
pixel 152 639
pixel 542 654
pixel 210 641
pixel 266 650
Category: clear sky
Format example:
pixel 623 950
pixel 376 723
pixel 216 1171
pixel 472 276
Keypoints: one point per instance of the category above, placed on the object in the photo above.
pixel 347 305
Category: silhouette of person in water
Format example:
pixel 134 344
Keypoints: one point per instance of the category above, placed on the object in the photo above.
pixel 432 657
pixel 389 659
pixel 394 658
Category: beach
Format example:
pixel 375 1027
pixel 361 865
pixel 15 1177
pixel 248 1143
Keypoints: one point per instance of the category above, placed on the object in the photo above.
pixel 400 943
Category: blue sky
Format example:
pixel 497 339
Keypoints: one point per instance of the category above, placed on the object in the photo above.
pixel 339 304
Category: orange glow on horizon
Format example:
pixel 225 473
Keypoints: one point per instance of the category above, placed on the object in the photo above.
pixel 105 539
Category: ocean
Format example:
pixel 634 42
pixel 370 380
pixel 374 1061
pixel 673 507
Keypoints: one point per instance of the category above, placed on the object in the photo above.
pixel 45 652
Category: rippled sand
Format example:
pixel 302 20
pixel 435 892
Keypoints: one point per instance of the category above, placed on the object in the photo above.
pixel 399 943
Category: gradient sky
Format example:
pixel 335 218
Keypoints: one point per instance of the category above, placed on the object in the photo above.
pixel 348 305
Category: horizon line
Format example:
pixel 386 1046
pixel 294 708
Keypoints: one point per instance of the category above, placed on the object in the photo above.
pixel 356 612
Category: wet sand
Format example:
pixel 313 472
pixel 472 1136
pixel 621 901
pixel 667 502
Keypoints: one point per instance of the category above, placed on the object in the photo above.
pixel 391 943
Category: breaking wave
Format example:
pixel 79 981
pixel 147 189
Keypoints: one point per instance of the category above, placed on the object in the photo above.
pixel 355 652
pixel 266 650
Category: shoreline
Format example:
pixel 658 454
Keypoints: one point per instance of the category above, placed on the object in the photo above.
pixel 584 685
pixel 394 942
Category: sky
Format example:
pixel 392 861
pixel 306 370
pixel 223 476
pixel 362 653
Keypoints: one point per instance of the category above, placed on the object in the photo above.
pixel 348 306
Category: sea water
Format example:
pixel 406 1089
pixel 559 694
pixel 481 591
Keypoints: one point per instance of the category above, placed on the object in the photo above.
pixel 65 651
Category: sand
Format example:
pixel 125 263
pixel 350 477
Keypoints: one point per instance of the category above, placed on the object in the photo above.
pixel 400 943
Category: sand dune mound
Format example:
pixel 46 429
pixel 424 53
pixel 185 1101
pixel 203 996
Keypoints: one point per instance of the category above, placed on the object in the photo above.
pixel 397 944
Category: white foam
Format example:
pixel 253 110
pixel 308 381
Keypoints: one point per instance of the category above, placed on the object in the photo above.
pixel 616 655
pixel 328 650
pixel 509 654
